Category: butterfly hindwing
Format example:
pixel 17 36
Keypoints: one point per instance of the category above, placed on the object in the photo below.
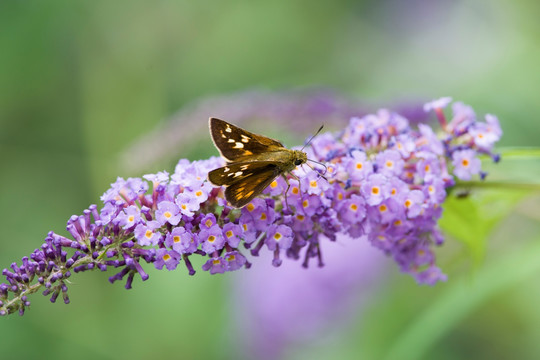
pixel 244 180
pixel 242 171
pixel 242 192
pixel 236 144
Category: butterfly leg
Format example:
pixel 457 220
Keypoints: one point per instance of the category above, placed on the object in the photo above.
pixel 289 185
pixel 286 191
pixel 299 187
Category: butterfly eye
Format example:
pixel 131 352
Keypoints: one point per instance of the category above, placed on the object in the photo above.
pixel 297 162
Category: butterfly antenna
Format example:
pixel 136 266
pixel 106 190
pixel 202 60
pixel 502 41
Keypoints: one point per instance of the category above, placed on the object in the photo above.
pixel 311 138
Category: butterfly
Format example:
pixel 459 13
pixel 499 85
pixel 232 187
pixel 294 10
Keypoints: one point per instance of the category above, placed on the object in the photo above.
pixel 253 161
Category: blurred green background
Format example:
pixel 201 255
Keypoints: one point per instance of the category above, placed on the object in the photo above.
pixel 80 81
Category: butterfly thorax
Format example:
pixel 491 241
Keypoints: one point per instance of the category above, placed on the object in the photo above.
pixel 284 158
pixel 296 158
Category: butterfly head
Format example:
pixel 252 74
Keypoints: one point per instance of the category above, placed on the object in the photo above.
pixel 299 157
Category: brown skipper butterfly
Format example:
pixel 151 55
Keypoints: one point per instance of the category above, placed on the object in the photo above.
pixel 253 162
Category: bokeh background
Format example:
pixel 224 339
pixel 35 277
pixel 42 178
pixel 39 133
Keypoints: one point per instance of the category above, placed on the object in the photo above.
pixel 83 84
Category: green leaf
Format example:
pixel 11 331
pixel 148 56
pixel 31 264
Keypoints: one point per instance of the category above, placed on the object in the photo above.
pixel 471 219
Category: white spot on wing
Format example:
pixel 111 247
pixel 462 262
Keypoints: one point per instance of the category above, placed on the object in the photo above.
pixel 245 139
pixel 238 145
pixel 228 129
pixel 238 173
pixel 231 140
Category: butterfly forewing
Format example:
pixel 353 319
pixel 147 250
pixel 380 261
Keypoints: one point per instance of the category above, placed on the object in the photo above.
pixel 236 144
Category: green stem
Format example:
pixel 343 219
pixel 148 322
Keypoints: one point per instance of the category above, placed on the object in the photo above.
pixel 497 185
pixel 520 152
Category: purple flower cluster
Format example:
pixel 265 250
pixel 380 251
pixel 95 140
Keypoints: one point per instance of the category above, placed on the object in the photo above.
pixel 384 182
